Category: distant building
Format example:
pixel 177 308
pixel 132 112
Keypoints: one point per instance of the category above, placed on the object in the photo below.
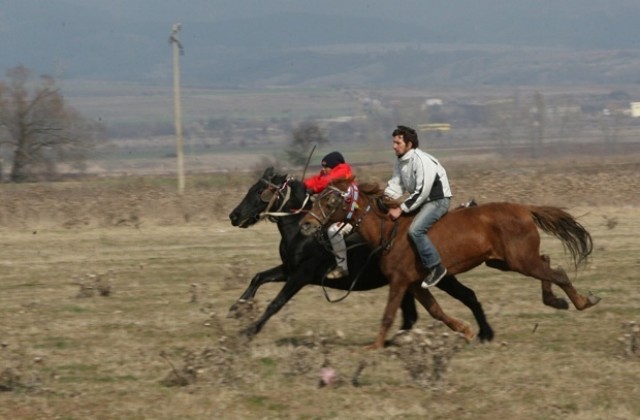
pixel 431 102
pixel 635 109
pixel 438 127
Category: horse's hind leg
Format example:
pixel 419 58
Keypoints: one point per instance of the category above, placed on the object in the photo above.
pixel 430 303
pixel 542 270
pixel 409 312
pixel 467 296
pixel 548 297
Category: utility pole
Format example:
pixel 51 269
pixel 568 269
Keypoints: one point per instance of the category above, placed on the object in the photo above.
pixel 177 52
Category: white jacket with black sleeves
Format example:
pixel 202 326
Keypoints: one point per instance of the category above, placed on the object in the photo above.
pixel 421 175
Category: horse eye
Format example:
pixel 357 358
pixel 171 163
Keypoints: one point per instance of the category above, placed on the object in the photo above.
pixel 266 195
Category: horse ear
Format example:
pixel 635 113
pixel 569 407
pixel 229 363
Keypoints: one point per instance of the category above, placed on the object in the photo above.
pixel 343 183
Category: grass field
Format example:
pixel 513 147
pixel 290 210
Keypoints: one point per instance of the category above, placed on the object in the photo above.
pixel 114 299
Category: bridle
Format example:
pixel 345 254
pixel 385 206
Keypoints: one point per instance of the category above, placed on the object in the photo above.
pixel 337 198
pixel 272 193
pixel 348 201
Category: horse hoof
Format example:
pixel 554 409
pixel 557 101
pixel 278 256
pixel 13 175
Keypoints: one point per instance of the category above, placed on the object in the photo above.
pixel 485 336
pixel 560 304
pixel 233 312
pixel 592 299
pixel 249 332
pixel 555 302
pixel 374 346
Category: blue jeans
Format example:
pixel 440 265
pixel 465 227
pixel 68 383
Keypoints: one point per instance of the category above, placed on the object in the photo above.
pixel 428 214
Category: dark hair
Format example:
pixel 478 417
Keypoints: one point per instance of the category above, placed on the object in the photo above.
pixel 408 134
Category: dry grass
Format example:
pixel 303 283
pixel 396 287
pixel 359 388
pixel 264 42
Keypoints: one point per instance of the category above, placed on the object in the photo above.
pixel 158 345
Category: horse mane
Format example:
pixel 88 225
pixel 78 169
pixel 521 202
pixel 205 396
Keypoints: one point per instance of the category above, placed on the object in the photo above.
pixel 371 188
pixel 374 189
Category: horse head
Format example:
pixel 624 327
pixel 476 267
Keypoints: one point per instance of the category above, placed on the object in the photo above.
pixel 271 189
pixel 337 203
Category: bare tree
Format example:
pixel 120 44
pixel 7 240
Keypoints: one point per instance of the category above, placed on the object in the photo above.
pixel 38 128
pixel 303 138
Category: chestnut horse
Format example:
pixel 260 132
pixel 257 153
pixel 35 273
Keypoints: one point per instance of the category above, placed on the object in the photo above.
pixel 502 235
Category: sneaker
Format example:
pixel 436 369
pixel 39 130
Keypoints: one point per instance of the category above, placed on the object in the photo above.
pixel 337 273
pixel 435 275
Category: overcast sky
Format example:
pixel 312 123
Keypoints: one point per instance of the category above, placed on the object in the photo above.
pixel 128 38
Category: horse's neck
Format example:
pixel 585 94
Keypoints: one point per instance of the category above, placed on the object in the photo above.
pixel 298 196
pixel 289 226
pixel 372 226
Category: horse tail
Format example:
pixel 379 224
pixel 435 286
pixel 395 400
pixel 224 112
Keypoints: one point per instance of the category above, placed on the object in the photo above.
pixel 565 227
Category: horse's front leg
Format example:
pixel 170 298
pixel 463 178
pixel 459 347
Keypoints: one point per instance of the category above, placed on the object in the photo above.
pixel 292 286
pixel 467 296
pixel 396 294
pixel 435 310
pixel 268 276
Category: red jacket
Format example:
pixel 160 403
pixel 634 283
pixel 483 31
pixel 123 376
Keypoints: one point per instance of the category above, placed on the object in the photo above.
pixel 319 182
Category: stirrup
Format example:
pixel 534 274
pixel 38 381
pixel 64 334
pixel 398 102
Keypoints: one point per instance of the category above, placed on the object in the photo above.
pixel 337 273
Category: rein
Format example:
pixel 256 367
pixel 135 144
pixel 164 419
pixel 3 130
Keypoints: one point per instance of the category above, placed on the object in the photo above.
pixel 353 283
pixel 385 243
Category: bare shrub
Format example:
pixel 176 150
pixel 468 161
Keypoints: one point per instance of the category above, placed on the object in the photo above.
pixel 92 284
pixel 9 380
pixel 300 361
pixel 221 364
pixel 630 341
pixel 610 222
pixel 426 355
pixel 182 376
pixel 22 371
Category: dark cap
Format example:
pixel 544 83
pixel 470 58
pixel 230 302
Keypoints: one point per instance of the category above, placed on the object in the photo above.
pixel 332 160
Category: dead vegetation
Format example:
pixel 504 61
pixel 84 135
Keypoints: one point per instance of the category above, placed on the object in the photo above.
pixel 143 331
pixel 630 340
pixel 94 284
pixel 427 354
pixel 21 372
pixel 317 356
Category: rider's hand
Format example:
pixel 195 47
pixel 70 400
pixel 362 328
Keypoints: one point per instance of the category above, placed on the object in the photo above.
pixel 395 213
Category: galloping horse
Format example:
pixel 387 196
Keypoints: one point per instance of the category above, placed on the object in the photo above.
pixel 502 235
pixel 305 261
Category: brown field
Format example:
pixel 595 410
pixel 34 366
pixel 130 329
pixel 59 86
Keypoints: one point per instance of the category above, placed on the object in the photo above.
pixel 114 295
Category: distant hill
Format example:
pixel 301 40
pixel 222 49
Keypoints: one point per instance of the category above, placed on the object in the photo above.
pixel 493 42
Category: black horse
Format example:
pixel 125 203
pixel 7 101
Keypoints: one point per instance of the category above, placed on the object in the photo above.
pixel 306 261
